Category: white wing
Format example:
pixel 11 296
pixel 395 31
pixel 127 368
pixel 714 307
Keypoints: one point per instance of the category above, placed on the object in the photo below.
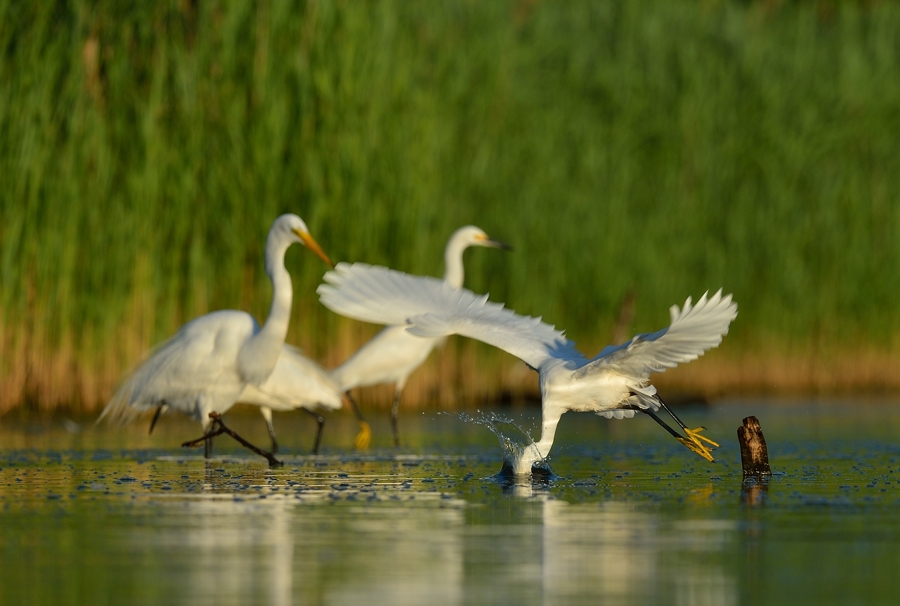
pixel 295 382
pixel 200 360
pixel 434 309
pixel 385 296
pixel 693 330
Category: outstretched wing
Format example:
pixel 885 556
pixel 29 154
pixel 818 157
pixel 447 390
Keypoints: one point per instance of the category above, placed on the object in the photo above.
pixel 433 308
pixel 694 329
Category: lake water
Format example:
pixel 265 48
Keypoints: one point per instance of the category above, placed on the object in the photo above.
pixel 104 515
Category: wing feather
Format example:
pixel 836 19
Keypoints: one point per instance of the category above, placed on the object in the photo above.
pixel 433 308
pixel 199 360
pixel 694 330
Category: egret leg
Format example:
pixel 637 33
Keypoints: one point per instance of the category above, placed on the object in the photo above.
pixel 692 434
pixel 395 413
pixel 321 424
pixel 267 415
pixel 271 429
pixel 692 445
pixel 364 437
pixel 218 427
pixel 159 410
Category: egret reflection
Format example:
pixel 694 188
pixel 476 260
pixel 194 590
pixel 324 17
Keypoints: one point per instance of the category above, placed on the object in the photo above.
pixel 615 554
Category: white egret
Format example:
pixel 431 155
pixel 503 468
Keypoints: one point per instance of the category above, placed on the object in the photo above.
pixel 296 382
pixel 614 384
pixel 209 362
pixel 393 354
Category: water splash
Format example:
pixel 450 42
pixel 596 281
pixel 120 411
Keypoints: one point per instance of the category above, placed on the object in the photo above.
pixel 513 438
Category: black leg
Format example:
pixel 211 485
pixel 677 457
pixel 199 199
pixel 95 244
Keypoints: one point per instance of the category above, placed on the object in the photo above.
pixel 653 415
pixel 159 411
pixel 320 420
pixel 395 412
pixel 692 439
pixel 355 407
pixel 669 410
pixel 364 437
pixel 218 427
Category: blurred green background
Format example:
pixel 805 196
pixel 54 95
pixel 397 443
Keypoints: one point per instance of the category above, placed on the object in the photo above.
pixel 633 150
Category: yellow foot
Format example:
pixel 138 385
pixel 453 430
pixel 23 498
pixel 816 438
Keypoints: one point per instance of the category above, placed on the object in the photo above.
pixel 364 437
pixel 699 448
pixel 695 441
pixel 695 437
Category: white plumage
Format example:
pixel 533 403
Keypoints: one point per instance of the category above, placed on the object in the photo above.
pixel 393 354
pixel 614 384
pixel 295 383
pixel 211 360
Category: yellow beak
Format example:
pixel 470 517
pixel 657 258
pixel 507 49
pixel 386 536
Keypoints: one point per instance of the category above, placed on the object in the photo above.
pixel 311 244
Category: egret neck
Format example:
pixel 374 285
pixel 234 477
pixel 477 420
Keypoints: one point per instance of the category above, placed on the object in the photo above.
pixel 260 353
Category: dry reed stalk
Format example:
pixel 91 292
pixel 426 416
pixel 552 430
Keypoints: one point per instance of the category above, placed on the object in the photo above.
pixel 52 378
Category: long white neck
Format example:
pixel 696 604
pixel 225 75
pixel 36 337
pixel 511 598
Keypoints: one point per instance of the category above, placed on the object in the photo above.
pixel 540 450
pixel 259 354
pixel 454 273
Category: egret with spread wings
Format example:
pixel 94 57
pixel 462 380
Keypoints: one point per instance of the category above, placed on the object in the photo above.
pixel 614 384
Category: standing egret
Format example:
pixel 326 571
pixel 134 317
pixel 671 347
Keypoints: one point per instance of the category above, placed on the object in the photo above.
pixel 296 382
pixel 209 362
pixel 393 354
pixel 613 384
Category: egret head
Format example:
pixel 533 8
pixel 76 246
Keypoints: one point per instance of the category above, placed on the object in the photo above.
pixel 293 229
pixel 474 236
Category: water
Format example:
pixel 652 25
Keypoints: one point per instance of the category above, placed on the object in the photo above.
pixel 106 516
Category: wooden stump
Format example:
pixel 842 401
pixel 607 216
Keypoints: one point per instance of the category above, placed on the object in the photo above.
pixel 754 455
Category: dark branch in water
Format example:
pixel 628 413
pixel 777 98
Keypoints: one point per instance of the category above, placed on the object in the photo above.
pixel 754 454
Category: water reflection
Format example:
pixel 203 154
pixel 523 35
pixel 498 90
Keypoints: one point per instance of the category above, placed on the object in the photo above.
pixel 625 521
pixel 754 491
pixel 240 550
pixel 387 555
pixel 617 555
pixel 311 544
pixel 403 541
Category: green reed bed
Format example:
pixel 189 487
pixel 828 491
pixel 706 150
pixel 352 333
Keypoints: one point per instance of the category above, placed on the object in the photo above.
pixel 653 148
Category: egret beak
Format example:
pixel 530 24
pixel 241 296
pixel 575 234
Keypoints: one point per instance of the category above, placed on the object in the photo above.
pixel 311 244
pixel 492 243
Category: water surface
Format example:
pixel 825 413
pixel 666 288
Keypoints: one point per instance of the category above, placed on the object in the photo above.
pixel 109 516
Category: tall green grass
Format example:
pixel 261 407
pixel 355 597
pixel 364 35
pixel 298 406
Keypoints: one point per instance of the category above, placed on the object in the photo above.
pixel 663 148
